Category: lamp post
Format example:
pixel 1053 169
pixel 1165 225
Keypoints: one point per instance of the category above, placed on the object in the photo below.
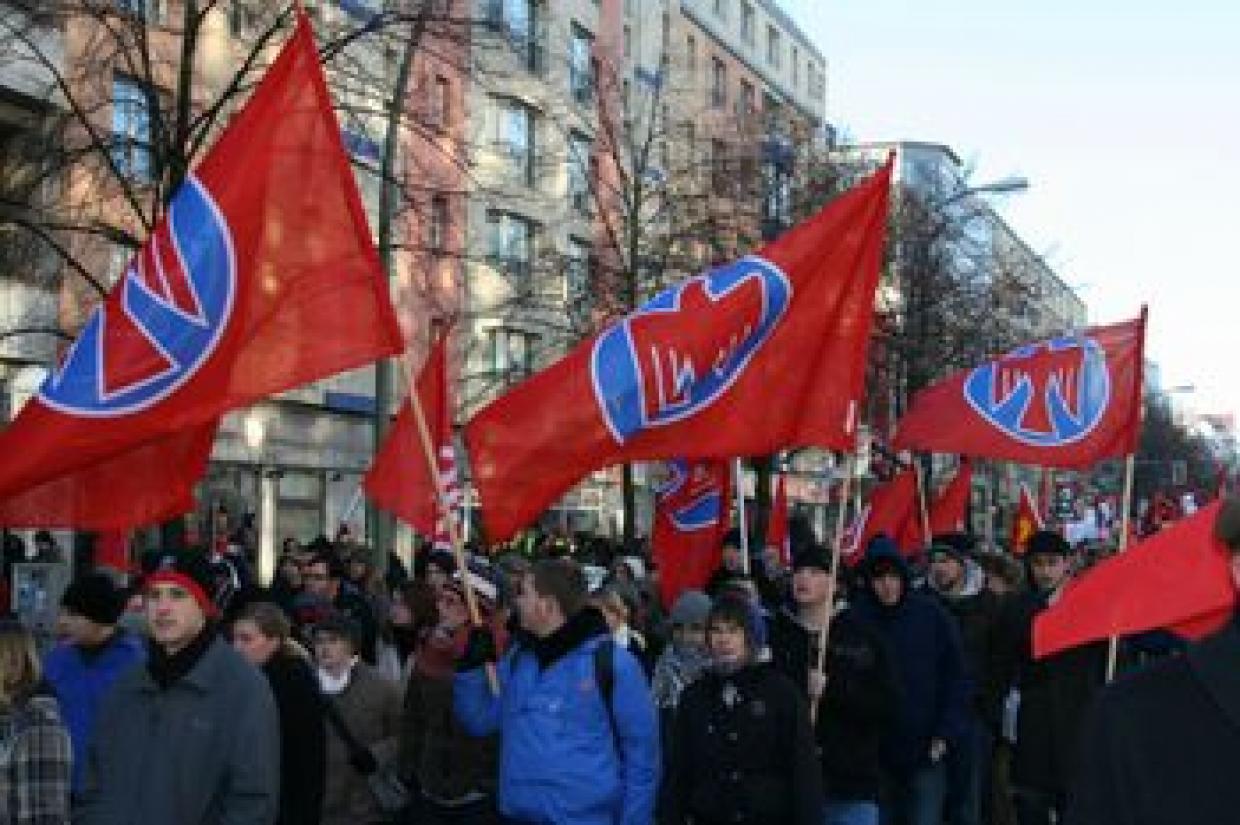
pixel 255 433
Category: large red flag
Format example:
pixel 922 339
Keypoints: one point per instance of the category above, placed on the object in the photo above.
pixel 694 371
pixel 1026 521
pixel 692 505
pixel 777 527
pixel 952 506
pixel 400 481
pixel 1179 578
pixel 1067 402
pixel 260 277
pixel 892 510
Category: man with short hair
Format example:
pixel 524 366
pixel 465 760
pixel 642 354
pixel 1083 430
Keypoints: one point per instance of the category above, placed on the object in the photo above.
pixel 327 593
pixel 193 737
pixel 92 654
pixel 1161 745
pixel 570 754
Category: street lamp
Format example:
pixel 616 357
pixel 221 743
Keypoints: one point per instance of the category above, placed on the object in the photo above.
pixel 1004 186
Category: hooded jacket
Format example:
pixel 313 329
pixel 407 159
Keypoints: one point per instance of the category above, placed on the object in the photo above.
pixel 561 760
pixel 928 660
pixel 978 615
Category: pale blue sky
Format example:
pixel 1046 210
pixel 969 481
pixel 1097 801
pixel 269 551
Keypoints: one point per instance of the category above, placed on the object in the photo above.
pixel 1125 117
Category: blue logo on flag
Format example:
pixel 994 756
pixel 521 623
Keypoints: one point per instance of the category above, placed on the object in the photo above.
pixel 683 349
pixel 175 302
pixel 690 496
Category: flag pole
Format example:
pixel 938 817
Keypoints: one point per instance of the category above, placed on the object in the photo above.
pixel 921 503
pixel 1125 517
pixel 740 511
pixel 454 533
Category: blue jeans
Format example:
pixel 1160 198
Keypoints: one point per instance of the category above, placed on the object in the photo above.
pixel 918 798
pixel 850 813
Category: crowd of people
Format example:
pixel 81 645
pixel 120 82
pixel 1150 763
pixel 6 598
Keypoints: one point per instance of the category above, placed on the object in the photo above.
pixel 514 691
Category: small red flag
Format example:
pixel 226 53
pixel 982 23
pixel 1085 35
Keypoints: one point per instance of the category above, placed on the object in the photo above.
pixel 777 529
pixel 1067 402
pixel 692 372
pixel 891 510
pixel 1179 578
pixel 261 276
pixel 1026 522
pixel 952 506
pixel 692 509
pixel 399 481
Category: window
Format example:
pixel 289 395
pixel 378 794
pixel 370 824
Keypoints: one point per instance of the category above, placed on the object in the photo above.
pixel 628 40
pixel 579 158
pixel 718 166
pixel 666 42
pixel 516 124
pixel 691 53
pixel 747 23
pixel 772 46
pixel 581 65
pixel 242 19
pixel 719 84
pixel 626 94
pixel 745 104
pixel 577 273
pixel 721 9
pixel 509 352
pixel 440 103
pixel 152 11
pixel 131 128
pixel 796 68
pixel 512 246
pixel 437 234
pixel 519 20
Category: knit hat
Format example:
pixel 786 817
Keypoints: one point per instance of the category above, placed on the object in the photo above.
pixel 813 555
pixel 692 607
pixel 95 597
pixel 1049 542
pixel 189 570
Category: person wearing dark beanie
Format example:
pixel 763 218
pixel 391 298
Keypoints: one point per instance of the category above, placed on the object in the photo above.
pixel 91 655
pixel 196 729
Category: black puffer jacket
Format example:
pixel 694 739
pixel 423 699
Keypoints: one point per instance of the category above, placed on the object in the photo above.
pixel 744 753
pixel 303 739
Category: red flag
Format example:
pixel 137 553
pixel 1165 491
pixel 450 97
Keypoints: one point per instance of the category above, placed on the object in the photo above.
pixel 260 277
pixel 1068 402
pixel 691 516
pixel 951 508
pixel 1026 522
pixel 399 481
pixel 1178 578
pixel 777 529
pixel 891 510
pixel 692 372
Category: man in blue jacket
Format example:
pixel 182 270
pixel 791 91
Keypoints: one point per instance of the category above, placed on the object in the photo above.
pixel 570 753
pixel 928 658
pixel 92 654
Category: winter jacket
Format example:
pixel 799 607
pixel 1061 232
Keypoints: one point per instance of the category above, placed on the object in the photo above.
pixel 977 612
pixel 858 704
pixel 370 706
pixel 203 751
pixel 928 659
pixel 35 761
pixel 81 678
pixel 449 763
pixel 1161 746
pixel 743 753
pixel 1055 693
pixel 564 758
pixel 303 743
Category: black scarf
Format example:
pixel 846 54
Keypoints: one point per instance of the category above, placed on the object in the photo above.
pixel 168 669
pixel 582 626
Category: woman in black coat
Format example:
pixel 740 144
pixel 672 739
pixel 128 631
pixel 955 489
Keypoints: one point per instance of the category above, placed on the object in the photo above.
pixel 262 634
pixel 743 751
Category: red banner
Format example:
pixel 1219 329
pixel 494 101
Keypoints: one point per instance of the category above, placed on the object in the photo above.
pixel 950 510
pixel 692 508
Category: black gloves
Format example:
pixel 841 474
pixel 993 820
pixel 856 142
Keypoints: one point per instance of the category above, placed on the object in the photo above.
pixel 363 761
pixel 479 649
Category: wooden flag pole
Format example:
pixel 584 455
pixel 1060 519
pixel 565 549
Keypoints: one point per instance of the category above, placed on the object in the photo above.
pixel 454 533
pixel 837 545
pixel 740 513
pixel 921 503
pixel 1125 517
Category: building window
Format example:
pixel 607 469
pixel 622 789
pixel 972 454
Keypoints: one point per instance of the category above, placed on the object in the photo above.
pixel 152 11
pixel 579 159
pixel 577 273
pixel 437 236
pixel 512 247
pixel 691 53
pixel 242 19
pixel 747 98
pixel 628 40
pixel 581 65
pixel 132 152
pixel 519 21
pixel 441 102
pixel 772 46
pixel 796 68
pixel 626 94
pixel 509 352
pixel 515 136
pixel 747 23
pixel 721 9
pixel 718 84
pixel 718 166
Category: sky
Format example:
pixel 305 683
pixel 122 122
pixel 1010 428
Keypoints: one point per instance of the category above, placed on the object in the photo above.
pixel 1124 117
